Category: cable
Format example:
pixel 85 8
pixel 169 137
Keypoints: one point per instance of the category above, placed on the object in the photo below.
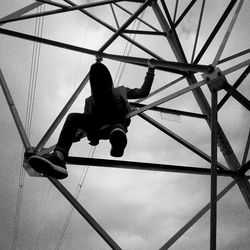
pixel 28 122
pixel 127 53
pixel 92 150
pixel 77 193
pixel 85 170
pixel 42 221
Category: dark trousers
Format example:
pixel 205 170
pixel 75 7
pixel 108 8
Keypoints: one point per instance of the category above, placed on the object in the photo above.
pixel 89 124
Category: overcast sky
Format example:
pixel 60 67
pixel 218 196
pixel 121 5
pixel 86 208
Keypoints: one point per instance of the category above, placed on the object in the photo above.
pixel 140 210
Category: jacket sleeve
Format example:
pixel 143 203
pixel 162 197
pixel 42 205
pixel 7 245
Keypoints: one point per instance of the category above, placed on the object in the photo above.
pixel 88 106
pixel 145 88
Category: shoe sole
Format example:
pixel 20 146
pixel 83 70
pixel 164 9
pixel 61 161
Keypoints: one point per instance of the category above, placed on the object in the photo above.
pixel 47 168
pixel 118 142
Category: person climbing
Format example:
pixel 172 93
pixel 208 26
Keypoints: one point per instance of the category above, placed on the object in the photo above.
pixel 104 117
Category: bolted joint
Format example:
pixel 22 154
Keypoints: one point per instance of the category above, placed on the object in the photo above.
pixel 215 79
pixel 99 58
pixel 28 153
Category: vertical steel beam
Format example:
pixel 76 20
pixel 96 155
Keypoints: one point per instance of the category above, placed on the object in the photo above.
pixel 213 211
pixel 14 113
pixel 190 223
pixel 223 142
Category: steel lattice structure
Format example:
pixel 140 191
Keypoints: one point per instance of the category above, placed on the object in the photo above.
pixel 212 76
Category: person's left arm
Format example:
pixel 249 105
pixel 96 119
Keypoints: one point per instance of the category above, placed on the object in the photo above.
pixel 144 91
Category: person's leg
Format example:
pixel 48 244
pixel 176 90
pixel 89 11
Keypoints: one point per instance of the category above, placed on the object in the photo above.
pixel 53 165
pixel 117 137
pixel 118 140
pixel 66 138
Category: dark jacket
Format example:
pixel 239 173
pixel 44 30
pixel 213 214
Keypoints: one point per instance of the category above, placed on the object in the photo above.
pixel 122 94
pixel 117 112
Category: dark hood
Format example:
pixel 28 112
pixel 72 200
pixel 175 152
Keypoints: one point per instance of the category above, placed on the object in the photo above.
pixel 101 85
pixel 100 78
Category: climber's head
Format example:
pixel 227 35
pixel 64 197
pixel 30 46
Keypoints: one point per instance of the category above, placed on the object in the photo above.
pixel 100 79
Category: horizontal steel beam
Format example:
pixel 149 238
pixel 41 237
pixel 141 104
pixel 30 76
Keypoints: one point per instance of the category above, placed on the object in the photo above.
pixel 144 32
pixel 146 166
pixel 133 60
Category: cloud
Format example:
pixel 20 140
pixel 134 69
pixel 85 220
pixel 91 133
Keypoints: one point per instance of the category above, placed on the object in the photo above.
pixel 139 209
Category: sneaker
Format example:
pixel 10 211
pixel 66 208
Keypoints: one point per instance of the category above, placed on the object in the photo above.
pixel 49 165
pixel 118 141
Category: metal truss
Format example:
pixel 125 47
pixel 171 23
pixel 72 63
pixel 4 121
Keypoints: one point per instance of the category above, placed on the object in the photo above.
pixel 213 77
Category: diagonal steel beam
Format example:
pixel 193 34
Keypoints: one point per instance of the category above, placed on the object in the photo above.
pixel 237 95
pixel 227 34
pixel 215 30
pixel 115 30
pixel 190 223
pixel 173 31
pixel 171 111
pixel 84 214
pixel 161 89
pixel 194 86
pixel 138 18
pixel 184 13
pixel 223 142
pixel 235 86
pixel 167 98
pixel 20 12
pixel 198 29
pixel 176 67
pixel 52 3
pixel 242 53
pixel 63 9
pixel 14 112
pixel 125 25
pixel 247 147
pixel 180 140
pixel 60 116
pixel 244 168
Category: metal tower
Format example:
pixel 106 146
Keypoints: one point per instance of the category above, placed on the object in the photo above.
pixel 189 69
